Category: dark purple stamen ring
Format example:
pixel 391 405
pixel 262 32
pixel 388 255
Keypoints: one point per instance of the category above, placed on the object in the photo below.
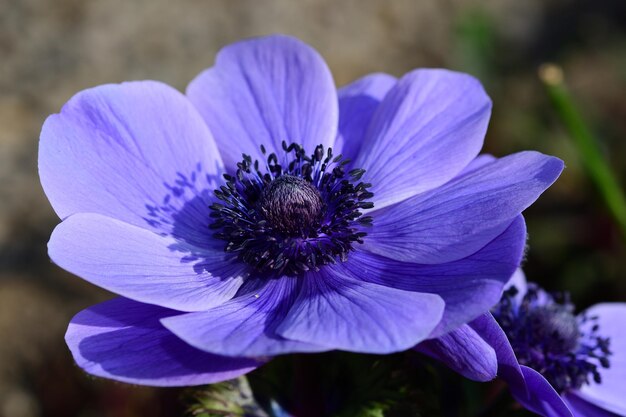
pixel 294 216
pixel 547 337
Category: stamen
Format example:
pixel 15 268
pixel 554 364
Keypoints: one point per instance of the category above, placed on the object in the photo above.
pixel 295 216
pixel 546 336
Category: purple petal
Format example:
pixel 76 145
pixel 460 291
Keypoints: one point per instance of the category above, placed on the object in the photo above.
pixel 123 340
pixel 141 265
pixel 244 326
pixel 583 408
pixel 263 91
pixel 335 309
pixel 542 398
pixel 518 280
pixel 527 386
pixel 357 103
pixel 610 394
pixel 465 352
pixel 469 286
pixel 425 131
pixel 460 217
pixel 508 368
pixel 478 162
pixel 138 152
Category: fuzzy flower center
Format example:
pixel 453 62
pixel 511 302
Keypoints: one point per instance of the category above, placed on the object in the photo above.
pixel 547 336
pixel 556 327
pixel 292 213
pixel 291 205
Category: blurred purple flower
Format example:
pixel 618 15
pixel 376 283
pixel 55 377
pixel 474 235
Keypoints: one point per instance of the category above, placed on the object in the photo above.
pixel 292 252
pixel 556 363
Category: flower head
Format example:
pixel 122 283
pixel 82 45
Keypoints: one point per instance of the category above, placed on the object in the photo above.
pixel 265 212
pixel 555 362
pixel 547 337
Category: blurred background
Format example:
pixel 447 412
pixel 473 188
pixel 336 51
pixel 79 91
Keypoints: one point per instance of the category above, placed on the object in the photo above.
pixel 50 50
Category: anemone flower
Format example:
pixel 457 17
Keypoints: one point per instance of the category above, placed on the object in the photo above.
pixel 556 363
pixel 265 212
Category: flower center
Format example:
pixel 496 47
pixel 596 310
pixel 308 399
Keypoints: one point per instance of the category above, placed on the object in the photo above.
pixel 546 336
pixel 291 205
pixel 299 213
pixel 556 327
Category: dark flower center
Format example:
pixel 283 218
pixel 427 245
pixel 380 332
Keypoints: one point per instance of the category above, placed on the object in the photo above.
pixel 299 213
pixel 291 205
pixel 547 336
pixel 556 327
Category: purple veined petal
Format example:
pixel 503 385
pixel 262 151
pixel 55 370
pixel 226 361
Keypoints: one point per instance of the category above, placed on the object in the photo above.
pixel 462 216
pixel 490 331
pixel 469 286
pixel 425 131
pixel 246 325
pixel 478 162
pixel 263 91
pixel 583 408
pixel 335 309
pixel 542 398
pixel 527 386
pixel 610 393
pixel 465 352
pixel 357 103
pixel 142 265
pixel 123 340
pixel 138 152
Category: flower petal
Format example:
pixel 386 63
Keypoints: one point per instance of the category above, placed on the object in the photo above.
pixel 425 131
pixel 264 91
pixel 244 326
pixel 460 217
pixel 465 352
pixel 335 309
pixel 610 393
pixel 478 162
pixel 357 103
pixel 542 398
pixel 518 280
pixel 127 151
pixel 141 265
pixel 489 330
pixel 469 286
pixel 123 340
pixel 527 386
pixel 583 408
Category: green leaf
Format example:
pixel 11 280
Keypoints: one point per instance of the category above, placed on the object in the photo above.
pixel 586 143
pixel 228 399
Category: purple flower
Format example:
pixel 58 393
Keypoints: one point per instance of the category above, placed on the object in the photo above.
pixel 556 363
pixel 297 249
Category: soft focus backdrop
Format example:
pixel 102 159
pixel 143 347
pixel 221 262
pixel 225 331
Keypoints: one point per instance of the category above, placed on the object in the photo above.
pixel 50 50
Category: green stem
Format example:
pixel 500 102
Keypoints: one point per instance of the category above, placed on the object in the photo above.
pixel 596 166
